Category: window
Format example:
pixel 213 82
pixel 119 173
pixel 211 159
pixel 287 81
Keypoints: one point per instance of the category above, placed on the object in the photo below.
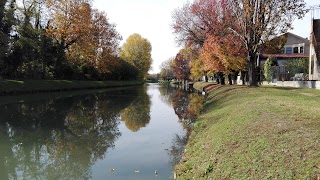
pixel 301 49
pixel 288 50
pixel 296 50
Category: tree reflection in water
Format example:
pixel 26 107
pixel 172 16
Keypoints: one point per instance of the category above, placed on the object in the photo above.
pixel 137 114
pixel 63 138
pixel 188 106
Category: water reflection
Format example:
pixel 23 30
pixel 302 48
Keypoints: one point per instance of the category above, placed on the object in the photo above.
pixel 137 114
pixel 187 106
pixel 62 138
pixel 82 136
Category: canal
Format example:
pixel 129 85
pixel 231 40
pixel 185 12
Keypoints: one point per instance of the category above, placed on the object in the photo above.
pixel 122 133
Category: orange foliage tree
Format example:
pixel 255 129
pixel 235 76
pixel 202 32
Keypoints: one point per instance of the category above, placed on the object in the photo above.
pixel 229 30
pixel 181 67
pixel 83 32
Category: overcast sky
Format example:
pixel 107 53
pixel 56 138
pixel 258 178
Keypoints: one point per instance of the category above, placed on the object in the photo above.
pixel 152 19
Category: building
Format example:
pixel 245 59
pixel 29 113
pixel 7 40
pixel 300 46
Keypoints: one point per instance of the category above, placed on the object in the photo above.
pixel 286 48
pixel 314 67
pixel 292 47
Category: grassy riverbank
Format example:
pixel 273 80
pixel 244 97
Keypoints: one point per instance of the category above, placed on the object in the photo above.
pixel 200 86
pixel 255 133
pixel 9 87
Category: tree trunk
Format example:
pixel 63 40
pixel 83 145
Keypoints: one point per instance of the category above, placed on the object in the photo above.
pixel 230 79
pixel 252 70
pixel 221 77
pixel 242 77
pixel 218 80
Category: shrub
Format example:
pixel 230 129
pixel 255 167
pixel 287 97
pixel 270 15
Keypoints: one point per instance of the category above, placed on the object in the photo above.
pixel 269 68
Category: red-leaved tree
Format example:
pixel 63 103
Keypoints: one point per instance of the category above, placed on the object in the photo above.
pixel 181 67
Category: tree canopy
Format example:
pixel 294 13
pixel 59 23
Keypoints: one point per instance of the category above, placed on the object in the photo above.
pixel 137 52
pixel 59 39
pixel 229 33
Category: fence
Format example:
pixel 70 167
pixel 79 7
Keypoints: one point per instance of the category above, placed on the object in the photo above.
pixel 284 73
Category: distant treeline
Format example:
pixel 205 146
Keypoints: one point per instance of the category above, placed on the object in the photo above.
pixel 59 39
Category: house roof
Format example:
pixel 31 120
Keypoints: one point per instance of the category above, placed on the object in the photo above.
pixel 297 36
pixel 284 55
pixel 291 34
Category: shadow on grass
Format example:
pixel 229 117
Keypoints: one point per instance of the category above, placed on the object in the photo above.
pixel 280 88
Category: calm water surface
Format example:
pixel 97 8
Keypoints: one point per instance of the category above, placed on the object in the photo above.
pixel 124 133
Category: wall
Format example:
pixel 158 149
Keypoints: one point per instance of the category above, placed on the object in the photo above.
pixel 296 84
pixel 294 40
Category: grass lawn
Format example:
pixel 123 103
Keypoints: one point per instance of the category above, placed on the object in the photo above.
pixel 255 133
pixel 8 87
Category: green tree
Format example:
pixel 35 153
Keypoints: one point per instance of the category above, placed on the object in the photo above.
pixel 269 68
pixel 297 66
pixel 28 59
pixel 7 20
pixel 137 51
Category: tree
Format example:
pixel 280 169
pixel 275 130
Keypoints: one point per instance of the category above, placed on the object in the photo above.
pixel 181 66
pixel 7 20
pixel 137 114
pixel 269 68
pixel 166 68
pixel 69 20
pixel 199 25
pixel 26 59
pixel 137 51
pixel 297 66
pixel 3 30
pixel 196 65
pixel 194 22
pixel 224 54
pixel 197 69
pixel 186 28
pixel 259 21
pixel 85 34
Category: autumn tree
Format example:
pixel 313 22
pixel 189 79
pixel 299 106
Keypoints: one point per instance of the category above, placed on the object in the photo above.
pixel 186 28
pixel 224 54
pixel 69 20
pixel 137 51
pixel 166 69
pixel 84 33
pixel 194 25
pixel 260 20
pixel 182 66
pixel 197 70
pixel 254 22
pixel 137 114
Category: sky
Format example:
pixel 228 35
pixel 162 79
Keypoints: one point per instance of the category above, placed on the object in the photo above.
pixel 152 18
